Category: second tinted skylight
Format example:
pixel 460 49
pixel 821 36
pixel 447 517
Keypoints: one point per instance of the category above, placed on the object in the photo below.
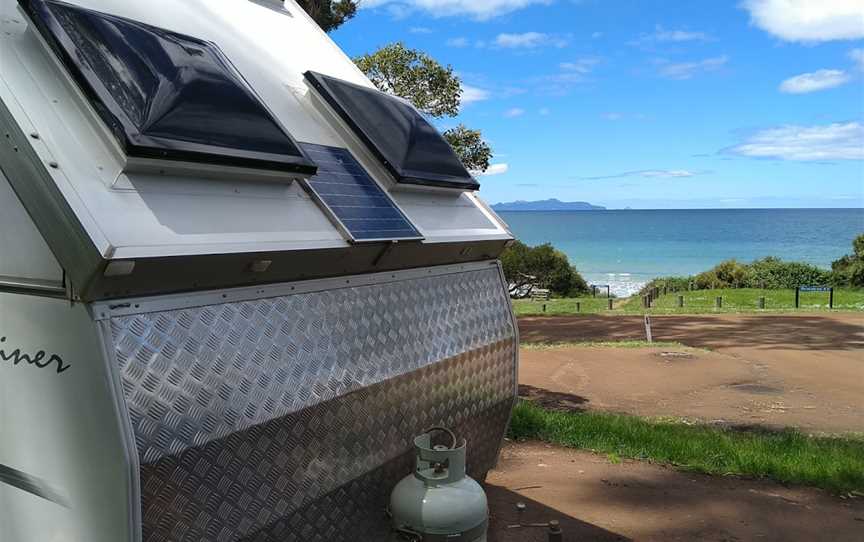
pixel 165 95
pixel 405 142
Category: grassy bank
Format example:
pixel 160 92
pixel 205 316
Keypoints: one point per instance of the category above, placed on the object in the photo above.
pixel 699 301
pixel 835 464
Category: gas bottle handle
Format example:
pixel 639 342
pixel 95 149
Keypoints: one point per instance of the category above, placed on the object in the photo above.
pixel 438 428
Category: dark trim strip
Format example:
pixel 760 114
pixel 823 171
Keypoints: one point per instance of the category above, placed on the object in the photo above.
pixel 33 485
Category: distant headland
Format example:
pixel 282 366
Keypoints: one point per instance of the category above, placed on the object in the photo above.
pixel 547 205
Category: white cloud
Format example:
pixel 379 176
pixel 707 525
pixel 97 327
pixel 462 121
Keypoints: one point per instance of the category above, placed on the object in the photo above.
pixel 652 174
pixel 478 9
pixel 686 70
pixel 597 35
pixel 420 30
pixel 529 40
pixel 580 65
pixel 473 94
pixel 808 20
pixel 545 111
pixel 661 35
pixel 814 81
pixel 838 141
pixel 494 169
pixel 514 112
pixel 613 116
pixel 857 56
pixel 457 42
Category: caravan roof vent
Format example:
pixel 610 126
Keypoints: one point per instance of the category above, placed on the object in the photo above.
pixel 166 95
pixel 406 143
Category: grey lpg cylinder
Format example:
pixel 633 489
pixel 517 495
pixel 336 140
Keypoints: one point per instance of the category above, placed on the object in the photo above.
pixel 439 502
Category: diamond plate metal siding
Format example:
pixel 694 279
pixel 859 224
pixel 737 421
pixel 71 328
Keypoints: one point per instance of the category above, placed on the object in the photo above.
pixel 267 418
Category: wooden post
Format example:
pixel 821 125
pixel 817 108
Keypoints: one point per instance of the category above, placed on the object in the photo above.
pixel 610 303
pixel 762 302
pixel 593 291
pixel 544 307
pixel 797 296
pixel 665 290
pixel 648 336
pixel 578 306
pixel 680 301
pixel 718 302
pixel 831 298
pixel 608 290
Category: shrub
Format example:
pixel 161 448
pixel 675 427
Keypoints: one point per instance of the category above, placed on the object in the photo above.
pixel 773 273
pixel 550 266
pixel 849 270
pixel 728 274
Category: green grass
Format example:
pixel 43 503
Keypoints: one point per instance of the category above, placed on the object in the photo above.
pixel 699 302
pixel 835 464
pixel 747 300
pixel 602 344
pixel 589 305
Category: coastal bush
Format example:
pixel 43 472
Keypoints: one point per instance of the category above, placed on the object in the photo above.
pixel 550 267
pixel 773 273
pixel 849 270
pixel 768 273
pixel 728 274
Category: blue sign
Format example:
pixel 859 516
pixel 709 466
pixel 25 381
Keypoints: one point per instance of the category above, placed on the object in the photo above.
pixel 815 288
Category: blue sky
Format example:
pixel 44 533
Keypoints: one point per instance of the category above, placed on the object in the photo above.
pixel 650 104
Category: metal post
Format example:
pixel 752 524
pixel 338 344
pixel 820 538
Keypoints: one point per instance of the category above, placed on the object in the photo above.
pixel 608 291
pixel 831 298
pixel 718 302
pixel 797 296
pixel 593 291
pixel 555 532
pixel 762 302
pixel 680 301
pixel 610 303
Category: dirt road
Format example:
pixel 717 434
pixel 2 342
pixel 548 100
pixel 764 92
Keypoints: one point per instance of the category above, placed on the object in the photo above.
pixel 597 500
pixel 776 371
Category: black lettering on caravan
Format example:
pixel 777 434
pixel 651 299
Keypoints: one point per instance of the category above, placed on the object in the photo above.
pixel 40 359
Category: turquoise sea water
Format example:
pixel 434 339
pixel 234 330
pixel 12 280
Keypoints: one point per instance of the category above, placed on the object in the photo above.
pixel 628 248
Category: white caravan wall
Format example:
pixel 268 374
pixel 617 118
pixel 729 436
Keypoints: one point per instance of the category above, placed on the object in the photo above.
pixel 58 429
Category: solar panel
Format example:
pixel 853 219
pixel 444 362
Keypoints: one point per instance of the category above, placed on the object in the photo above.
pixel 354 201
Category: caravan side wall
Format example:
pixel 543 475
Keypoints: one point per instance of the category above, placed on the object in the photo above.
pixel 287 413
pixel 64 474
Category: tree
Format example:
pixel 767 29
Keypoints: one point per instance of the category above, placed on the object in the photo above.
pixel 329 14
pixel 849 270
pixel 543 266
pixel 434 89
pixel 470 147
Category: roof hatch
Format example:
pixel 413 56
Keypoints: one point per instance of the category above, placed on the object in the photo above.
pixel 400 137
pixel 164 95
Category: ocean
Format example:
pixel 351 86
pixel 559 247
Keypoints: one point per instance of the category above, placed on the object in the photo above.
pixel 626 249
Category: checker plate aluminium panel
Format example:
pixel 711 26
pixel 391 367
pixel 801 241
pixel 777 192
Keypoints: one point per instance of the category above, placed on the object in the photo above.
pixel 291 418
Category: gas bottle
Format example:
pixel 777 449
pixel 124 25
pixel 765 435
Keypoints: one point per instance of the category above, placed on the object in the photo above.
pixel 438 502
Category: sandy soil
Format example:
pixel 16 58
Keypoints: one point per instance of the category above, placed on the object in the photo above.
pixel 774 370
pixel 594 499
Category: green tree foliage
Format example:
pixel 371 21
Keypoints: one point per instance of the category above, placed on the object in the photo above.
pixel 433 88
pixel 550 267
pixel 849 270
pixel 411 74
pixel 769 273
pixel 469 145
pixel 330 14
pixel 774 273
pixel 728 274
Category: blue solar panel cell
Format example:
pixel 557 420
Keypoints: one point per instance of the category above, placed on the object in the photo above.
pixel 353 199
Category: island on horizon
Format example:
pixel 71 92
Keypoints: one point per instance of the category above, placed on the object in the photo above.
pixel 547 205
